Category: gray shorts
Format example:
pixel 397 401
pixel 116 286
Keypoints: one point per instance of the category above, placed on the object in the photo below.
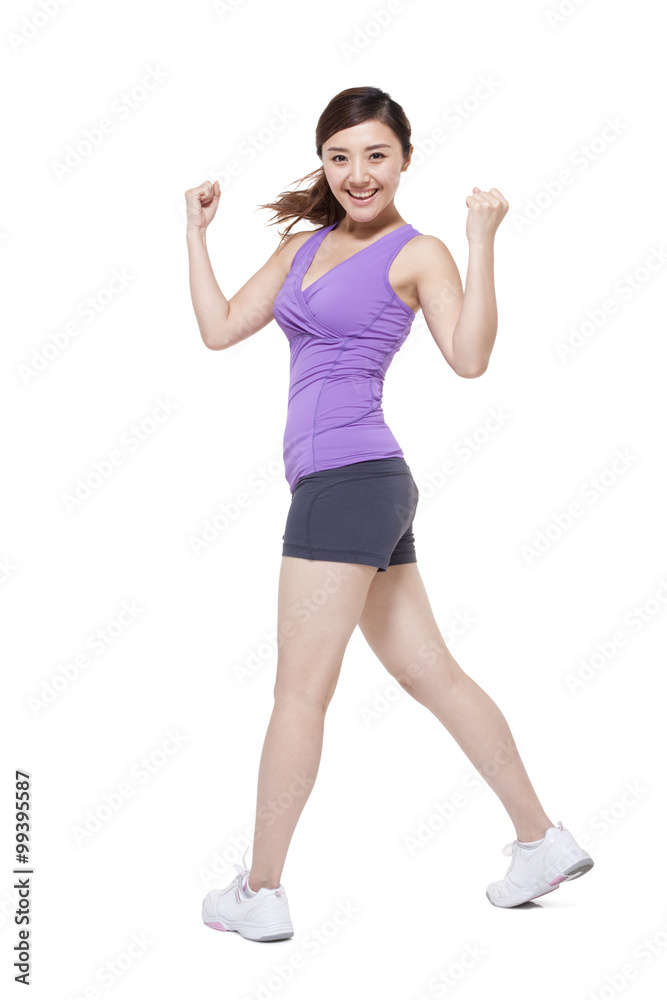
pixel 358 513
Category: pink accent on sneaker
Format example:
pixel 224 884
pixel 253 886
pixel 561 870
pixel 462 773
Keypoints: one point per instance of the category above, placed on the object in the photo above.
pixel 542 894
pixel 215 925
pixel 561 878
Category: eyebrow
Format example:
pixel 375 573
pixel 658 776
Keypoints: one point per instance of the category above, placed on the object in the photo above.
pixel 342 149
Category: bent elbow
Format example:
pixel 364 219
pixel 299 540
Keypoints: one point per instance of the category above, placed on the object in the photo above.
pixel 472 372
pixel 214 343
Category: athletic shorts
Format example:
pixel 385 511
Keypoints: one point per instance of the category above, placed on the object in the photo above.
pixel 358 513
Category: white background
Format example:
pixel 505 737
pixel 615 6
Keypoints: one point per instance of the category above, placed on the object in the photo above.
pixel 66 572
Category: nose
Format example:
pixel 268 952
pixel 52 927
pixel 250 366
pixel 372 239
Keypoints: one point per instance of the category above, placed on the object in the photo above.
pixel 359 174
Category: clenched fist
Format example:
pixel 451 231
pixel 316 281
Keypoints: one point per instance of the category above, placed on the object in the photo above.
pixel 486 210
pixel 202 204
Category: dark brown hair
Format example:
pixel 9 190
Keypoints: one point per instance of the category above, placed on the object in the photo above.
pixel 348 108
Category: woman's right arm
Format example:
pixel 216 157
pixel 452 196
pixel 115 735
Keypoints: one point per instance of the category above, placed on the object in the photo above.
pixel 224 323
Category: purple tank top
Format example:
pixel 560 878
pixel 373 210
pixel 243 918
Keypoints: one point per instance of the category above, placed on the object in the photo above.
pixel 343 332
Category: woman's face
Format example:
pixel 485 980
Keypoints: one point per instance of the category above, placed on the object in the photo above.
pixel 352 168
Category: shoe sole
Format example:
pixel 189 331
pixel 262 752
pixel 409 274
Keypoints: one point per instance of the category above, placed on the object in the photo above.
pixel 272 932
pixel 575 870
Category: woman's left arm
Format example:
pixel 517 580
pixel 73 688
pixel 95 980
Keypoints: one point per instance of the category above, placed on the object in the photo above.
pixel 475 332
pixel 464 324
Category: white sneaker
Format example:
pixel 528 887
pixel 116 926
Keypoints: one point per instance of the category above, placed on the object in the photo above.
pixel 537 871
pixel 264 917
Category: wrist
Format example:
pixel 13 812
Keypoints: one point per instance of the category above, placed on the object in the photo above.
pixel 195 232
pixel 481 243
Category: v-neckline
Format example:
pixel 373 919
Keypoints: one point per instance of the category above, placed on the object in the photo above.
pixel 302 291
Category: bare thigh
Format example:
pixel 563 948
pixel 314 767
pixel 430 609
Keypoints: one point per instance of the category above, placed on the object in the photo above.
pixel 399 625
pixel 319 606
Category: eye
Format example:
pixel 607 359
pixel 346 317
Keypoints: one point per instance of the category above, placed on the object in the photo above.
pixel 376 153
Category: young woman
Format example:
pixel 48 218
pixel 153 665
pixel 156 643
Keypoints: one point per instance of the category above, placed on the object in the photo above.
pixel 345 296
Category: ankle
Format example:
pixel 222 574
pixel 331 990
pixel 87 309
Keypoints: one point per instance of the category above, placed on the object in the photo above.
pixel 262 883
pixel 526 834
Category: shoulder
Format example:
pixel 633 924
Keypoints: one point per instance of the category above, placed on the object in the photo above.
pixel 430 263
pixel 289 246
pixel 291 243
pixel 428 251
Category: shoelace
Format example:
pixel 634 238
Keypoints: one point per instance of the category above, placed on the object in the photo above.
pixel 510 849
pixel 242 870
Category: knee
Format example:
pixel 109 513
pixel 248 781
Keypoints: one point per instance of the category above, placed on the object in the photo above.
pixel 304 701
pixel 409 684
pixel 306 683
pixel 418 678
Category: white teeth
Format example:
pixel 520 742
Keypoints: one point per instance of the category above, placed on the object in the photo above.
pixel 363 196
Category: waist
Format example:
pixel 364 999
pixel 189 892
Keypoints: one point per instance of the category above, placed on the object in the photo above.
pixel 372 467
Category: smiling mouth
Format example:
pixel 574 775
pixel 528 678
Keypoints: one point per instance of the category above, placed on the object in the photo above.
pixel 366 197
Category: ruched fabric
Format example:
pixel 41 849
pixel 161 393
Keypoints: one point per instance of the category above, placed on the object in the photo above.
pixel 343 333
